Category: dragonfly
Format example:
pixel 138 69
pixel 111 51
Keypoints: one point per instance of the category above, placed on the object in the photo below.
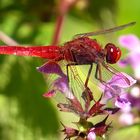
pixel 81 50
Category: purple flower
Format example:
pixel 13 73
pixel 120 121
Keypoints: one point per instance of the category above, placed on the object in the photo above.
pixel 60 84
pixel 51 68
pixel 132 43
pixel 123 103
pixel 115 89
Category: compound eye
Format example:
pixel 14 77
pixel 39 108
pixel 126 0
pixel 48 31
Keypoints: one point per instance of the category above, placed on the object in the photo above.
pixel 113 53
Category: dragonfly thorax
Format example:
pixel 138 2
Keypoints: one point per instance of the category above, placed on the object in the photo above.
pixel 81 50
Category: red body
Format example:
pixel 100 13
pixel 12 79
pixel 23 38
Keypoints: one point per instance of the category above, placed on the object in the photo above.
pixel 81 50
pixel 49 52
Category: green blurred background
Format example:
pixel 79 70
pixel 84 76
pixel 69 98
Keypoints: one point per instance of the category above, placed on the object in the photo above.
pixel 24 113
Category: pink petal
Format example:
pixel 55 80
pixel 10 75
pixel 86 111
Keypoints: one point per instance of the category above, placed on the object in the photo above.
pixel 91 135
pixel 131 42
pixel 61 84
pixel 122 80
pixel 133 58
pixel 126 118
pixel 123 104
pixel 124 62
pixel 51 68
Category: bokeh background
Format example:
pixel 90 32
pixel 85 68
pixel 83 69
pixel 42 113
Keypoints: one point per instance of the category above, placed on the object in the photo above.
pixel 24 113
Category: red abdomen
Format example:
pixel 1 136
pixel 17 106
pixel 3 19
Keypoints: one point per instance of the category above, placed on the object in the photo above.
pixel 48 52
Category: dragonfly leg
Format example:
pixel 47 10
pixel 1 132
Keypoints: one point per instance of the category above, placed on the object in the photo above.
pixel 98 73
pixel 88 76
pixel 67 69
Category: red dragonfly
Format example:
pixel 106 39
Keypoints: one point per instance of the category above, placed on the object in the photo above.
pixel 79 51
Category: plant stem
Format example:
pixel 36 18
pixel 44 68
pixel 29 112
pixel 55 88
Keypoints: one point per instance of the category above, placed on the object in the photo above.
pixel 63 8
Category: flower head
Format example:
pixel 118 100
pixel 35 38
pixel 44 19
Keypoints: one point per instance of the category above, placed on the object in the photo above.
pixel 114 89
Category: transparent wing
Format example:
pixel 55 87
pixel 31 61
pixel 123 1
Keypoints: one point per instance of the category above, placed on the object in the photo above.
pixel 106 31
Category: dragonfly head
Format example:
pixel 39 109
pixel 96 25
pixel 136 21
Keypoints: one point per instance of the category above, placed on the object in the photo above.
pixel 113 53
